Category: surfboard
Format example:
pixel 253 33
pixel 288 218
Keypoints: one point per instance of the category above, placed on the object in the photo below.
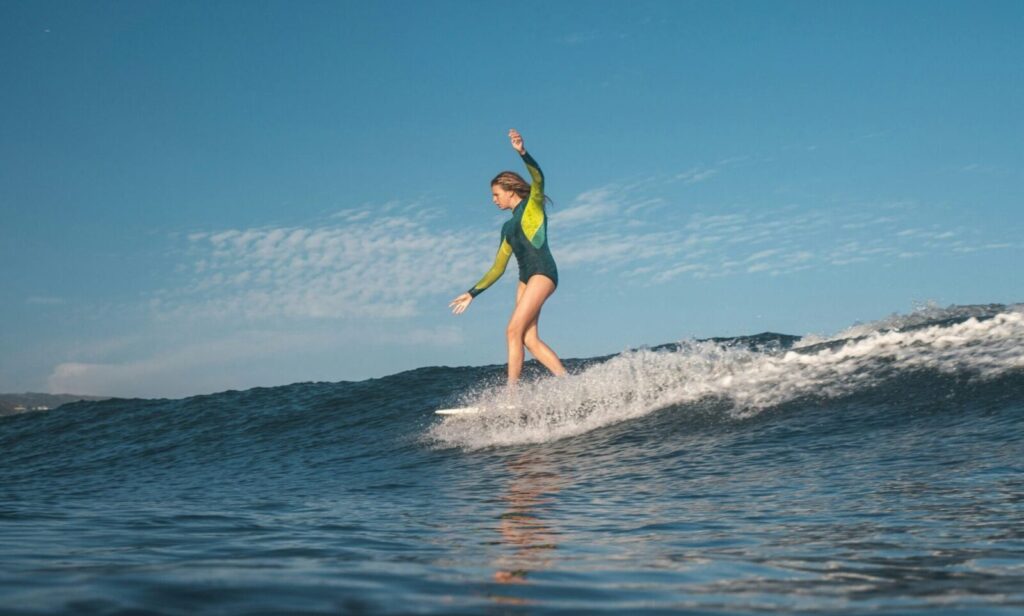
pixel 464 410
pixel 476 410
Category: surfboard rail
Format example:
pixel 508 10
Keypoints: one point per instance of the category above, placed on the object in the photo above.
pixel 464 410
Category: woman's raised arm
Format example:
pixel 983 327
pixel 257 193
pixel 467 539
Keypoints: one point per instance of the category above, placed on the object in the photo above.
pixel 537 186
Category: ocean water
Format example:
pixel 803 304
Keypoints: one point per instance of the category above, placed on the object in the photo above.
pixel 876 471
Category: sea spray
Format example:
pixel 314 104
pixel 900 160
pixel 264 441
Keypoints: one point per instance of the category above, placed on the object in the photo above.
pixel 636 383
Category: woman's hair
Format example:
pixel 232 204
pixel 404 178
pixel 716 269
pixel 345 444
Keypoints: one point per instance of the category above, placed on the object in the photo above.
pixel 512 181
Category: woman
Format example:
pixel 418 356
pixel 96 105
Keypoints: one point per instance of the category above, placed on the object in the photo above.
pixel 524 235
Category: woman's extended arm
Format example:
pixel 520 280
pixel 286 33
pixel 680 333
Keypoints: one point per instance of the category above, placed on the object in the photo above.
pixel 493 274
pixel 460 303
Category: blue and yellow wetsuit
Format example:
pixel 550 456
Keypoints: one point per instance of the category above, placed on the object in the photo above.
pixel 525 235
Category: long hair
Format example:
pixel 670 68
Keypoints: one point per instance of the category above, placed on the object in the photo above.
pixel 512 181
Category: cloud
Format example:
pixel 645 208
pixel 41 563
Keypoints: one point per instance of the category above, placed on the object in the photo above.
pixel 359 264
pixel 226 361
pixel 579 38
pixel 387 261
pixel 582 37
pixel 155 374
pixel 871 135
pixel 589 206
pixel 681 239
pixel 41 300
pixel 692 176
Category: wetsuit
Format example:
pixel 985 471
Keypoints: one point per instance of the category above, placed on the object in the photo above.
pixel 525 235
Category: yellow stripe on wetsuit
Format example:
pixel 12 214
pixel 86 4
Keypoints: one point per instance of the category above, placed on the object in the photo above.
pixel 493 274
pixel 533 216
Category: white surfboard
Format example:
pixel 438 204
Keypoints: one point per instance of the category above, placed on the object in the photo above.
pixel 464 410
pixel 476 410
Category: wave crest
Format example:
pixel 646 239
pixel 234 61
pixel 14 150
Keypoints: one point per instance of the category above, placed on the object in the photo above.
pixel 971 344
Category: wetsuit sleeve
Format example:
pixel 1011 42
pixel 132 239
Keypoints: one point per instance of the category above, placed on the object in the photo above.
pixel 537 176
pixel 533 216
pixel 493 274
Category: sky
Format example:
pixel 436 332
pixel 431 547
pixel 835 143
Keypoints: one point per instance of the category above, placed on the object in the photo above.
pixel 202 196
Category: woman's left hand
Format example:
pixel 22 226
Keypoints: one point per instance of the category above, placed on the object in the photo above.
pixel 517 141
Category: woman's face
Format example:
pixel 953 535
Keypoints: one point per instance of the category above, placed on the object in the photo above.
pixel 504 199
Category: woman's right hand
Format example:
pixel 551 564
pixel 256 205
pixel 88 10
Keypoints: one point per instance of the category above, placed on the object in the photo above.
pixel 517 141
pixel 460 303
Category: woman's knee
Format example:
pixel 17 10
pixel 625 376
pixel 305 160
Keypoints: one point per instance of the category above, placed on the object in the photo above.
pixel 515 333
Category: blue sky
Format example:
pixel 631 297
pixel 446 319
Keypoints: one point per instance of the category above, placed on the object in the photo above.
pixel 202 196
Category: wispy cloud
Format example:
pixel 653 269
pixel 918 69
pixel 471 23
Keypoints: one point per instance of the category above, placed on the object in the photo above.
pixel 579 38
pixel 44 300
pixel 692 176
pixel 389 261
pixel 582 37
pixel 868 136
pixel 590 206
pixel 362 263
pixel 689 240
pixel 225 361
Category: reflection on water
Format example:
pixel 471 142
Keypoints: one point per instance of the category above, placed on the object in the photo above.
pixel 524 531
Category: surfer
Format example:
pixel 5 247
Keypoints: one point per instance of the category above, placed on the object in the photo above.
pixel 525 236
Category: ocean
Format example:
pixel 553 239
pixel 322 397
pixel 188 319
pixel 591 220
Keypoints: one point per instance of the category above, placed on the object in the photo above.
pixel 875 471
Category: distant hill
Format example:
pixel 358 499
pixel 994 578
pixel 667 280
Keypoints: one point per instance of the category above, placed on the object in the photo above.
pixel 23 403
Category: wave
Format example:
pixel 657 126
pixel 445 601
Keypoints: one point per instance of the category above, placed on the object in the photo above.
pixel 743 379
pixel 720 380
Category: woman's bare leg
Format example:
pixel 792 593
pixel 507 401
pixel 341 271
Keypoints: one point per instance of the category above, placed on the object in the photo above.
pixel 522 328
pixel 537 347
pixel 541 351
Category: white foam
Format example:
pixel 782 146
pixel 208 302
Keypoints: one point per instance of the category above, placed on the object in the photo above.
pixel 640 382
pixel 923 313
